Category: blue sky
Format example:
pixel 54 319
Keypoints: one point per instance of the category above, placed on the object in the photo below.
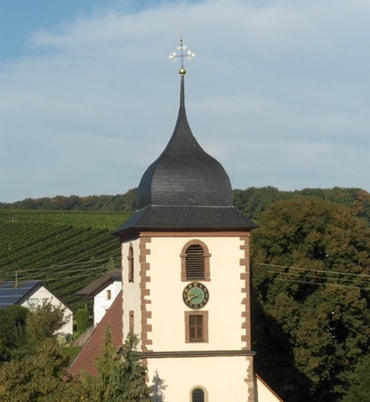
pixel 278 92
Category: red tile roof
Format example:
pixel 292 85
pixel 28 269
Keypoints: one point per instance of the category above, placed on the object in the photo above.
pixel 85 360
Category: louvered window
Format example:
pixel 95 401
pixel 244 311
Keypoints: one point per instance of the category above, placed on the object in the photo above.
pixel 195 262
pixel 197 395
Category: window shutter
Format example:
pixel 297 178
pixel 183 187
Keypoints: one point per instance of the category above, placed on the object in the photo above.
pixel 195 262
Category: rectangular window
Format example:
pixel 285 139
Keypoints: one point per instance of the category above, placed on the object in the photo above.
pixel 109 294
pixel 196 326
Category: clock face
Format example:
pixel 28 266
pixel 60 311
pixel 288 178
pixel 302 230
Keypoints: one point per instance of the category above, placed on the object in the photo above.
pixel 195 295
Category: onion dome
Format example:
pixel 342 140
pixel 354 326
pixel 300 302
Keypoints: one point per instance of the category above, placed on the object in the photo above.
pixel 185 188
pixel 184 174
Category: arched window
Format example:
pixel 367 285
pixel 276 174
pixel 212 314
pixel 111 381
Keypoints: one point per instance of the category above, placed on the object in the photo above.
pixel 130 258
pixel 195 261
pixel 197 395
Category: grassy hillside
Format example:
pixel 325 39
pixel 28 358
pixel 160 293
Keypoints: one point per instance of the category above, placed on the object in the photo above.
pixel 67 250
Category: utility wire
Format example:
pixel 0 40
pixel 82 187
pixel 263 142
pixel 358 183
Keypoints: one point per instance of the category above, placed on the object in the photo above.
pixel 319 277
pixel 71 264
pixel 327 272
pixel 323 284
pixel 319 280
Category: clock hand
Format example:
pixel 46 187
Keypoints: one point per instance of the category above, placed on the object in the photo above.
pixel 191 297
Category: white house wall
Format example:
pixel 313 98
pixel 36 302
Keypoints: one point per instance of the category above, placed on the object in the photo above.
pixel 265 394
pixel 102 302
pixel 131 290
pixel 43 296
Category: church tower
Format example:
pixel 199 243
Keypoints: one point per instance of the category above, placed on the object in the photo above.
pixel 186 274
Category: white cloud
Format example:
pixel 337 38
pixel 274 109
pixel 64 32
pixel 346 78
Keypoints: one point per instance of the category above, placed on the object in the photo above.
pixel 278 93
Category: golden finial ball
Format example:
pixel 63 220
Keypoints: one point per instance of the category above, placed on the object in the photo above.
pixel 182 71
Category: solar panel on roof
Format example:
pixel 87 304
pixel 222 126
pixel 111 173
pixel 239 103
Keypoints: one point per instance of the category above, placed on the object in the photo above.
pixel 10 295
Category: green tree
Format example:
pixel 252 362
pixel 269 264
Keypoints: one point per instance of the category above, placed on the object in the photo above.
pixel 360 384
pixel 40 377
pixel 310 264
pixel 106 365
pixel 131 373
pixel 121 376
pixel 42 323
pixel 38 371
pixel 82 319
pixel 12 331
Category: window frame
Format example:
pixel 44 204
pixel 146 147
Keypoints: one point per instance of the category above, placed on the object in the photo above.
pixel 188 326
pixel 206 261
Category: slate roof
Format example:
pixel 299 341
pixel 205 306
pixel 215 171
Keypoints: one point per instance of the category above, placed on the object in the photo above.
pixel 99 284
pixel 184 174
pixel 187 218
pixel 185 188
pixel 10 294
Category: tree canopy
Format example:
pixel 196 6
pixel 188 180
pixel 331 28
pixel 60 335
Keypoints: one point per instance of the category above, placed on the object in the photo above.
pixel 310 260
pixel 36 369
pixel 12 331
pixel 121 374
pixel 251 201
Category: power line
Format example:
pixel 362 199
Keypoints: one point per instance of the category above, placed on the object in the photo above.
pixel 323 284
pixel 318 280
pixel 319 277
pixel 326 272
pixel 71 265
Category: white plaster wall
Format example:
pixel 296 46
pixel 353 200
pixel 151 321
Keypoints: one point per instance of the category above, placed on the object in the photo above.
pixel 102 304
pixel 225 303
pixel 264 394
pixel 43 296
pixel 222 378
pixel 131 290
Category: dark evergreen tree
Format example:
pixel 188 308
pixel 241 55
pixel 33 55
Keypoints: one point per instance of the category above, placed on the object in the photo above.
pixel 130 374
pixel 121 375
pixel 104 387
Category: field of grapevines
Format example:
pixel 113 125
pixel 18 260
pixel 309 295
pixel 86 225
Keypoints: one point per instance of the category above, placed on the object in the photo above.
pixel 66 250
